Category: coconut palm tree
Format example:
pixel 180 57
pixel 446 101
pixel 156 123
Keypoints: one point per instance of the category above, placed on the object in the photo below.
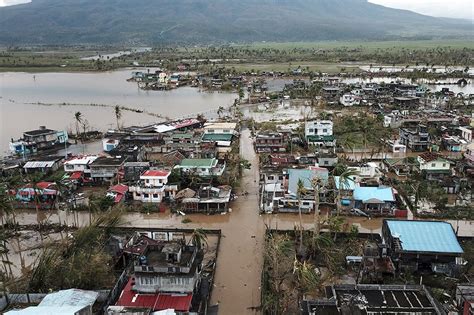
pixel 78 119
pixel 307 277
pixel 317 185
pixel 6 207
pixel 300 191
pixel 344 181
pixel 118 115
pixel 198 238
pixel 220 111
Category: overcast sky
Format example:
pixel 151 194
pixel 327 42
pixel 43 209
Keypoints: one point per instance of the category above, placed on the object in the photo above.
pixel 447 8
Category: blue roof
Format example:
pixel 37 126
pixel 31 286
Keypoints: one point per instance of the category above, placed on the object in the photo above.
pixel 381 193
pixel 425 236
pixel 306 177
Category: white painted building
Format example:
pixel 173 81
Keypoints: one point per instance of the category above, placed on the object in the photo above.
pixel 466 133
pixel 432 162
pixel 349 100
pixel 79 164
pixel 220 128
pixel 153 187
pixel 318 128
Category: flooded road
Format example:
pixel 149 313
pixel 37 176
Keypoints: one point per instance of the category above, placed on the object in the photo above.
pixel 239 263
pixel 94 94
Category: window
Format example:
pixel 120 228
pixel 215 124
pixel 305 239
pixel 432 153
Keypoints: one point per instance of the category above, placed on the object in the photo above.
pixel 325 130
pixel 433 164
pixel 155 195
pixel 147 181
pixel 69 167
pixel 146 195
pixel 210 131
pixel 326 162
pixel 311 130
pixel 444 164
pixel 226 131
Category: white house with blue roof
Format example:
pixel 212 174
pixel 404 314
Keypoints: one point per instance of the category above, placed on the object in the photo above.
pixel 375 200
pixel 423 245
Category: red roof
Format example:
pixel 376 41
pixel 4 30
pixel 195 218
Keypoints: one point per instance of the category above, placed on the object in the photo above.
pixel 156 302
pixel 131 298
pixel 181 303
pixel 76 175
pixel 43 185
pixel 156 173
pixel 120 189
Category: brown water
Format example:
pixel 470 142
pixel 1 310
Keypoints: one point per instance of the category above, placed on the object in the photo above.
pixel 20 92
pixel 239 263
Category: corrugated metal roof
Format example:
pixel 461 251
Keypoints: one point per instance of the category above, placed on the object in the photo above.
pixel 47 310
pixel 198 163
pixel 180 303
pixel 380 193
pixel 39 164
pixel 425 236
pixel 306 175
pixel 70 297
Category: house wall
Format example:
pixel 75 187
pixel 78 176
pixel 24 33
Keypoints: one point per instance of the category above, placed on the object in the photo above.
pixel 70 168
pixel 154 283
pixel 148 196
pixel 154 181
pixel 103 172
pixel 434 165
pixel 466 133
pixel 319 128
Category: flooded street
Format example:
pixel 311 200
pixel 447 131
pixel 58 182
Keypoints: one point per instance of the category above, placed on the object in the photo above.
pixel 29 100
pixel 240 258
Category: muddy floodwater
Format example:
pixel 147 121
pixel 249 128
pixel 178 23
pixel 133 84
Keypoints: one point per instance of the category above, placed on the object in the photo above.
pixel 239 263
pixel 29 100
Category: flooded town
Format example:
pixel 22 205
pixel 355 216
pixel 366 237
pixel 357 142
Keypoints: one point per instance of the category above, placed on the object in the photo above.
pixel 183 172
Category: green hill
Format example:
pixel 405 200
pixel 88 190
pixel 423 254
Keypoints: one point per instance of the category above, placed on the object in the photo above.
pixel 138 22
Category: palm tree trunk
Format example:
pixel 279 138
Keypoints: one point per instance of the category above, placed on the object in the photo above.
pixel 301 225
pixel 317 218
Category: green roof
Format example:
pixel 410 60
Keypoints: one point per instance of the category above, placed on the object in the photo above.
pixel 319 138
pixel 217 137
pixel 197 163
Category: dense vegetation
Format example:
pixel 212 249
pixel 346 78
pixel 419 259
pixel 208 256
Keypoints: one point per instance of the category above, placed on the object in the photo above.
pixel 215 21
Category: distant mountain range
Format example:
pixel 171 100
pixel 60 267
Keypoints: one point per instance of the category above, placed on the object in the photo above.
pixel 139 22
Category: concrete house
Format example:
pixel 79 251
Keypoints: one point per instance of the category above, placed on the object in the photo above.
pixel 153 187
pixel 201 167
pixel 375 200
pixel 270 142
pixel 433 165
pixel 422 245
pixel 80 165
pixel 107 168
pixel 320 133
pixel 416 139
pixel 165 276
